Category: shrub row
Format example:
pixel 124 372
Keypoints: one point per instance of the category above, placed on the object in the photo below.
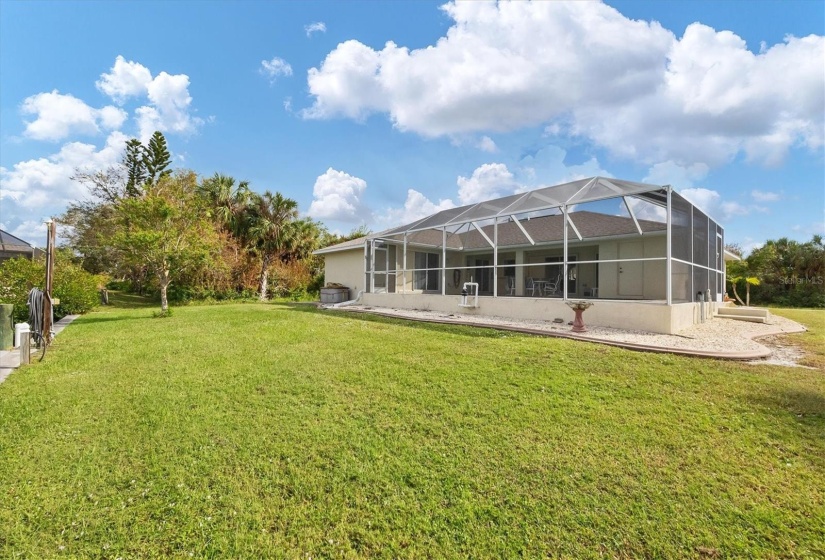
pixel 77 290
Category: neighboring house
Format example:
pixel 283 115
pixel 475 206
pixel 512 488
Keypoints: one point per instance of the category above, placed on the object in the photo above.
pixel 644 253
pixel 11 247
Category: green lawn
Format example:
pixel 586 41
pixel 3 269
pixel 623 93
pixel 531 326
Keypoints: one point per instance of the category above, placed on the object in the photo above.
pixel 251 431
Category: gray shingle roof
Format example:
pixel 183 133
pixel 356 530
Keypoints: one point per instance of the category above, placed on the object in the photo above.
pixel 543 229
pixel 9 242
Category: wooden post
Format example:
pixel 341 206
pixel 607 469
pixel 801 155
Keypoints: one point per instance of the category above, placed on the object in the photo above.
pixel 25 346
pixel 47 299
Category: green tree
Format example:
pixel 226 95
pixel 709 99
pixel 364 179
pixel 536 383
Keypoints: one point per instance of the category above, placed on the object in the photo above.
pixel 166 231
pixel 156 159
pixel 133 162
pixel 77 290
pixel 741 271
pixel 226 201
pixel 270 236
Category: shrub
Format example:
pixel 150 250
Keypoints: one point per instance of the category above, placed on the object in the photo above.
pixel 77 290
pixel 17 277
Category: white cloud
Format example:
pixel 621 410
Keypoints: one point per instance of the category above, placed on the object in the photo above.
pixel 274 68
pixel 701 98
pixel 486 144
pixel 315 27
pixel 125 79
pixel 764 196
pixel 711 203
pixel 671 173
pixel 169 107
pixel 31 231
pixel 546 167
pixel 45 182
pixel 169 103
pixel 337 196
pixel 59 115
pixel 416 206
pixel 490 180
pixel 683 179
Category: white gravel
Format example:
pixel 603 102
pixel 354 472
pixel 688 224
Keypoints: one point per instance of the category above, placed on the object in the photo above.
pixel 720 336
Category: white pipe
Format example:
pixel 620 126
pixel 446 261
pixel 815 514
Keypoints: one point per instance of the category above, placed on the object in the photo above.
pixel 347 303
pixel 464 288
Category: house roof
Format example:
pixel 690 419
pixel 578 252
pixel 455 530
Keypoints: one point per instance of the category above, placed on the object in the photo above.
pixel 12 244
pixel 542 229
pixel 566 194
pixel 730 256
pixel 344 246
pixel 539 213
pixel 549 229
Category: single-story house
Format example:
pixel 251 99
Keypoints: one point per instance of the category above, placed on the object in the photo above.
pixel 11 247
pixel 646 256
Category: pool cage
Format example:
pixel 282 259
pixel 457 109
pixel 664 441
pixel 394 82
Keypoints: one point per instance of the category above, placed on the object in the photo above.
pixel 596 238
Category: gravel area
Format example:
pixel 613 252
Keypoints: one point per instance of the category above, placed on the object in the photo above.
pixel 722 337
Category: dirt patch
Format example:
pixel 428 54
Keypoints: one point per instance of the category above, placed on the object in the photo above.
pixel 783 353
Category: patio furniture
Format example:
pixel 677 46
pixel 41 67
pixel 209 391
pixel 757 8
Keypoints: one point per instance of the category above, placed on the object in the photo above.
pixel 510 288
pixel 552 287
pixel 533 286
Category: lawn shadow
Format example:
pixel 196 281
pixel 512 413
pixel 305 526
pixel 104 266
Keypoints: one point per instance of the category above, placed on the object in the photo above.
pixel 464 330
pixel 801 410
pixel 122 300
pixel 101 318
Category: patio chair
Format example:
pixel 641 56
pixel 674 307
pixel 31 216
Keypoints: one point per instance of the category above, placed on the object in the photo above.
pixel 532 286
pixel 510 288
pixel 552 287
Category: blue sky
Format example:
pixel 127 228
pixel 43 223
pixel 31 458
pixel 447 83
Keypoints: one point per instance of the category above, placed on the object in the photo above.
pixel 380 113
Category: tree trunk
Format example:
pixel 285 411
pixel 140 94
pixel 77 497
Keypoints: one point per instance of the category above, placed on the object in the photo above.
pixel 733 285
pixel 163 279
pixel 264 278
pixel 747 293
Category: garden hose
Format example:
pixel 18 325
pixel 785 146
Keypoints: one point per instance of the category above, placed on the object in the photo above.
pixel 35 303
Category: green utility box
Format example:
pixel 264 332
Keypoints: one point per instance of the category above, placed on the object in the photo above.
pixel 6 326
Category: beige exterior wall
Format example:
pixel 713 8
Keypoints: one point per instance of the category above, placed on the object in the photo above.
pixel 653 273
pixel 347 268
pixel 635 315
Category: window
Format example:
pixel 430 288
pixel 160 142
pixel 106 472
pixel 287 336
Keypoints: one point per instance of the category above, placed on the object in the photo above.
pixel 426 274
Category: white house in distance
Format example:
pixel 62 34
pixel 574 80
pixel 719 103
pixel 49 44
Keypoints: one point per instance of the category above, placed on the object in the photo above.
pixel 642 253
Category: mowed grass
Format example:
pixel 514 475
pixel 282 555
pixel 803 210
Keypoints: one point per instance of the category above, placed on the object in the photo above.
pixel 279 431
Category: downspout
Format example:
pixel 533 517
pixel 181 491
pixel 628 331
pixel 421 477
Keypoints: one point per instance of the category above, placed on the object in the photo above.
pixel 444 261
pixel 404 285
pixel 495 257
pixel 669 261
pixel 564 266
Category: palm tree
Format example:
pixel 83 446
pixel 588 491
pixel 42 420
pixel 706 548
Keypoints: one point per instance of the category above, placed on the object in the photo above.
pixel 747 270
pixel 304 238
pixel 226 201
pixel 269 231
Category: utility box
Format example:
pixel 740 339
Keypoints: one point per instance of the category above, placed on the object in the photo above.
pixel 334 295
pixel 6 326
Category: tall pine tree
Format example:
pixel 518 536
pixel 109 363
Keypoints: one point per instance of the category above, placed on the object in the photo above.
pixel 135 167
pixel 156 159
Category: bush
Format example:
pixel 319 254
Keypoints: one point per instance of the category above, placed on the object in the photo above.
pixel 17 277
pixel 77 290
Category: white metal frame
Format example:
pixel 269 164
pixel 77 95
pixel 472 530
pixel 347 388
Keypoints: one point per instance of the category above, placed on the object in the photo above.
pixel 659 195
